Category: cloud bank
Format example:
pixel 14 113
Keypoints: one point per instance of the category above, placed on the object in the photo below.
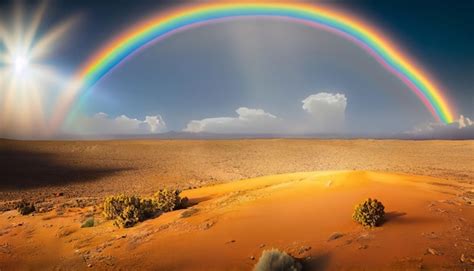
pixel 462 128
pixel 248 121
pixel 327 111
pixel 322 113
pixel 103 124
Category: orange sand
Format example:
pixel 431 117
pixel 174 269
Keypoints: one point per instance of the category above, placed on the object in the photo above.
pixel 234 222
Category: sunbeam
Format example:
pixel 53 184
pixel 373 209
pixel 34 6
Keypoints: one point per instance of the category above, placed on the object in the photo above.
pixel 25 74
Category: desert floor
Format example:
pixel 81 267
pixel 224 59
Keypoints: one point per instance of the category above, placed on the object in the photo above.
pixel 427 188
pixel 98 168
pixel 428 226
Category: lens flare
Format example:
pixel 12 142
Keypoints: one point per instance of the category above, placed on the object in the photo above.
pixel 25 78
pixel 21 64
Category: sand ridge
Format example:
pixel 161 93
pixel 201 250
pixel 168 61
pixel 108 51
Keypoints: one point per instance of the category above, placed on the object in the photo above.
pixel 39 169
pixel 428 226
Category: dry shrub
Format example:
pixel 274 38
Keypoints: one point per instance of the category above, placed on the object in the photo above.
pixel 25 208
pixel 129 210
pixel 369 213
pixel 276 260
pixel 169 200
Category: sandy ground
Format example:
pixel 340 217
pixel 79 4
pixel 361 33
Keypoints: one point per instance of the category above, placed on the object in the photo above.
pixel 88 169
pixel 430 225
pixel 426 186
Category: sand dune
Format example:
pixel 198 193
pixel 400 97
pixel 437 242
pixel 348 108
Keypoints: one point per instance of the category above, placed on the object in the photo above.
pixel 98 168
pixel 430 224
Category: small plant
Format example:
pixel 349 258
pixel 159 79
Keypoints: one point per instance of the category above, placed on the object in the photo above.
pixel 169 200
pixel 88 223
pixel 274 259
pixel 369 213
pixel 25 208
pixel 129 210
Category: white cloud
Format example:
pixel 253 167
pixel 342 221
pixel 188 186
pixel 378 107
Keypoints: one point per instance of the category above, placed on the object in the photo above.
pixel 462 128
pixel 464 122
pixel 324 114
pixel 156 123
pixel 327 111
pixel 103 124
pixel 248 121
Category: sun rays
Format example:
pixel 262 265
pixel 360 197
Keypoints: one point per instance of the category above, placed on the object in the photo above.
pixel 26 77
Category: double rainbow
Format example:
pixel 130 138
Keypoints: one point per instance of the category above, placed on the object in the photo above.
pixel 346 26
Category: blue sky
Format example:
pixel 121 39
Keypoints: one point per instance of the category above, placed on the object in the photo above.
pixel 256 63
pixel 252 75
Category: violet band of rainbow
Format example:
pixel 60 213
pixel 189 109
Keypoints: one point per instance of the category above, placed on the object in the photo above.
pixel 166 24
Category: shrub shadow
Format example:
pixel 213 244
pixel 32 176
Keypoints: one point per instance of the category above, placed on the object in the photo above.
pixel 195 201
pixel 402 218
pixel 317 263
pixel 394 215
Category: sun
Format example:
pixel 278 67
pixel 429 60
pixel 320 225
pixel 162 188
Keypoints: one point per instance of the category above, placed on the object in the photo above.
pixel 26 75
pixel 21 64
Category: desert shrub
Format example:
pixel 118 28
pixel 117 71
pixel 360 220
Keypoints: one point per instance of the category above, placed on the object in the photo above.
pixel 25 208
pixel 148 208
pixel 369 213
pixel 169 200
pixel 128 210
pixel 129 217
pixel 88 223
pixel 275 260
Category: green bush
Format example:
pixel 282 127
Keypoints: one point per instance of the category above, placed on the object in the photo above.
pixel 88 223
pixel 369 213
pixel 25 208
pixel 169 200
pixel 128 210
pixel 275 260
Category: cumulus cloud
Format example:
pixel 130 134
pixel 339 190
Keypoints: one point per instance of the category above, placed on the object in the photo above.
pixel 103 124
pixel 462 128
pixel 248 121
pixel 324 113
pixel 327 111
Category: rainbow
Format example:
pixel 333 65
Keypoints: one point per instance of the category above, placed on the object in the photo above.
pixel 164 25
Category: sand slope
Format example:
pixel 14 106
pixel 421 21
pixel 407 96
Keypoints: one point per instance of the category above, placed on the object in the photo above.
pixel 36 169
pixel 430 224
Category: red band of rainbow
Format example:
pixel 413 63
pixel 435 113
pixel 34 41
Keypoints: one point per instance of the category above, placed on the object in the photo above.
pixel 166 24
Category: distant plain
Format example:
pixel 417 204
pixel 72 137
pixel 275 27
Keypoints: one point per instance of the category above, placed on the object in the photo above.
pixel 34 169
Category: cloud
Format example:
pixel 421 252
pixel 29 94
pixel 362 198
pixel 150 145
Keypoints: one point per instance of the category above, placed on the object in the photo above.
pixel 103 124
pixel 462 128
pixel 156 123
pixel 327 111
pixel 248 121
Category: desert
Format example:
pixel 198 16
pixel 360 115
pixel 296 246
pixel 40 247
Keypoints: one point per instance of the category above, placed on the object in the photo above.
pixel 245 196
pixel 236 135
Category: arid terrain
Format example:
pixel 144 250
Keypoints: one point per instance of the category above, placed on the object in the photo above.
pixel 98 168
pixel 245 196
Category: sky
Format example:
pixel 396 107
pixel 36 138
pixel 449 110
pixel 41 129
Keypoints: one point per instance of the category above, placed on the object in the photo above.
pixel 254 75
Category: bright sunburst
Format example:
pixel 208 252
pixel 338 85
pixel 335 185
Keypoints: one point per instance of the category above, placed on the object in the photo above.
pixel 25 75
